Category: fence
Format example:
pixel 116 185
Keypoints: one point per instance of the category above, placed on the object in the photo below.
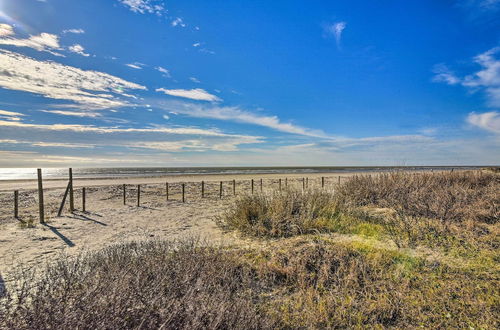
pixel 180 191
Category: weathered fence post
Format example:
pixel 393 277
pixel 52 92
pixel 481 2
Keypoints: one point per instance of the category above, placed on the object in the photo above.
pixel 280 184
pixel 307 182
pixel 252 186
pixel 41 210
pixel 260 185
pixel 183 192
pixel 124 194
pixel 202 189
pixel 138 195
pixel 220 190
pixel 286 182
pixel 83 199
pixel 234 187
pixel 166 188
pixel 322 182
pixel 16 204
pixel 339 179
pixel 59 213
pixel 303 184
pixel 71 196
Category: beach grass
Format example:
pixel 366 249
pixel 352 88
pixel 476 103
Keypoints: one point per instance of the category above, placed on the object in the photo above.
pixel 387 251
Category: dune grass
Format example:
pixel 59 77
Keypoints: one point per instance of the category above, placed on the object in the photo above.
pixel 361 257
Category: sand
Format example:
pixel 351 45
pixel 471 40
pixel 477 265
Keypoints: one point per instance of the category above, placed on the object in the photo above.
pixel 107 221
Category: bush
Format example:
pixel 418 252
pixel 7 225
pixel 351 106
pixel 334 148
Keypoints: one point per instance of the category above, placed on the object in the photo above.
pixel 140 285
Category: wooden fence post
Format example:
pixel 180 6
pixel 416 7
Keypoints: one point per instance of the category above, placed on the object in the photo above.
pixel 83 199
pixel 202 189
pixel 303 184
pixel 339 179
pixel 166 188
pixel 124 194
pixel 138 195
pixel 286 182
pixel 280 184
pixel 16 204
pixel 234 187
pixel 41 210
pixel 71 196
pixel 183 192
pixel 64 199
pixel 307 182
pixel 260 185
pixel 322 182
pixel 220 190
pixel 252 186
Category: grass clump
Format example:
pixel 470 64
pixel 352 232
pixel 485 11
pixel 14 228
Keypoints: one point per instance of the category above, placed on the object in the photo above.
pixel 283 214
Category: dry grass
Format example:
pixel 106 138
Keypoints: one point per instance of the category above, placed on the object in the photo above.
pixel 331 264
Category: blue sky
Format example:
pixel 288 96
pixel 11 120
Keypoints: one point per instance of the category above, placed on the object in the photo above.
pixel 245 83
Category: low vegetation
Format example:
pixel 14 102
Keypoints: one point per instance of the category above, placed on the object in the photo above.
pixel 387 251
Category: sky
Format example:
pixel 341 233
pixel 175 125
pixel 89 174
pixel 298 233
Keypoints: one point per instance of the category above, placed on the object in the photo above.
pixel 249 83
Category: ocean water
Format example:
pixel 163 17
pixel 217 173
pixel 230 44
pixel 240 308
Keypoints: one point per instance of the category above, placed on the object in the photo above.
pixel 117 172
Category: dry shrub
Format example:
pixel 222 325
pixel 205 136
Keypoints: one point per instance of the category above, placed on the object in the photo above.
pixel 140 285
pixel 450 197
pixel 282 214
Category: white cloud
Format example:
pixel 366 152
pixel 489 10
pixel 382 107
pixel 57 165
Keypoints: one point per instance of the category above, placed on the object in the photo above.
pixel 10 115
pixel 237 115
pixel 336 30
pixel 196 44
pixel 90 90
pixel 43 42
pixel 178 22
pixel 80 114
pixel 166 117
pixel 486 79
pixel 489 121
pixel 165 72
pixel 193 94
pixel 145 6
pixel 134 66
pixel 75 31
pixel 6 30
pixel 78 49
pixel 194 79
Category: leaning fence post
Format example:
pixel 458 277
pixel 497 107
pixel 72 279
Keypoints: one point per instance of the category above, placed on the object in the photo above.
pixel 16 204
pixel 124 195
pixel 183 192
pixel 220 190
pixel 234 187
pixel 138 195
pixel 71 196
pixel 202 189
pixel 41 210
pixel 166 188
pixel 83 199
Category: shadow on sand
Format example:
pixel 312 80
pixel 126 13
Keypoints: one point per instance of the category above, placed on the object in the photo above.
pixel 61 236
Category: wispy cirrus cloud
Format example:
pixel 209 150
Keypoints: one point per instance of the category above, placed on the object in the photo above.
pixel 74 31
pixel 486 79
pixel 145 6
pixel 91 90
pixel 238 115
pixel 197 94
pixel 488 121
pixel 335 29
pixel 164 71
pixel 11 115
pixel 135 65
pixel 80 114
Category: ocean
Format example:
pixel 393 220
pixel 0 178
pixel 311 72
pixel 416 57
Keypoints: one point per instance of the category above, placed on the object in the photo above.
pixel 117 172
